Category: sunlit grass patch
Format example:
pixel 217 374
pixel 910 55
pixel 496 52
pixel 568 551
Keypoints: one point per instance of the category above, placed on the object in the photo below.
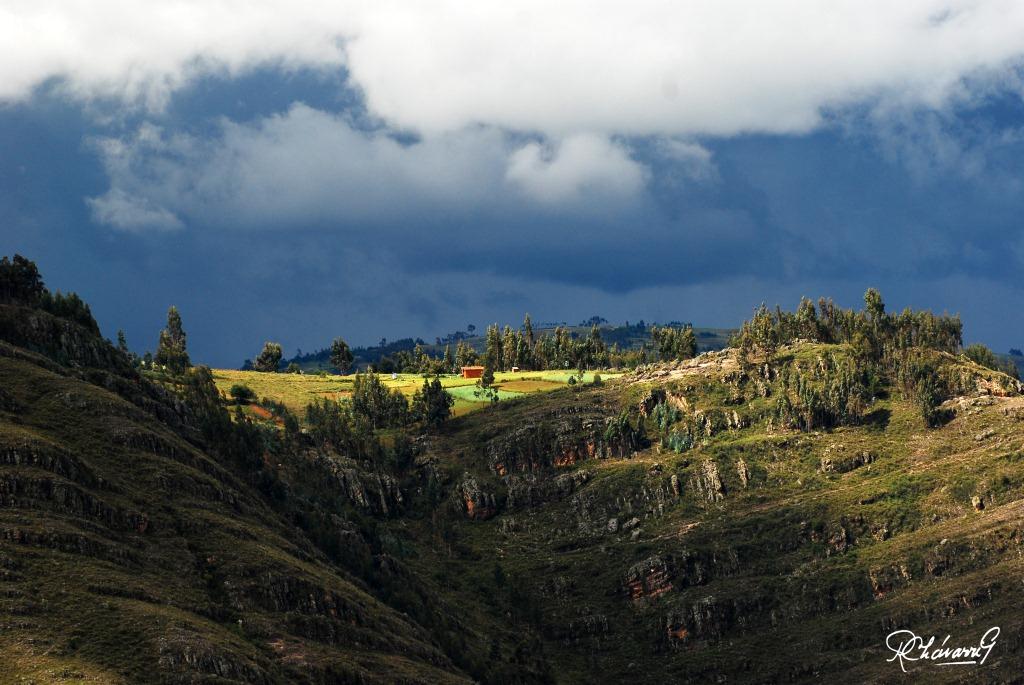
pixel 296 391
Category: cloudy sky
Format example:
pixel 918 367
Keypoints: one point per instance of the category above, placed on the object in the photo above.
pixel 300 170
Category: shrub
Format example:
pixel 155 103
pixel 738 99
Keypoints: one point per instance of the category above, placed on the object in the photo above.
pixel 678 442
pixel 242 394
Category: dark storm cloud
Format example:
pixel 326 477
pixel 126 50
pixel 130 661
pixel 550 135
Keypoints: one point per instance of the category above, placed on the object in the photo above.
pixel 716 227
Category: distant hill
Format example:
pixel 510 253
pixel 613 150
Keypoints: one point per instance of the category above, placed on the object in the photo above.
pixel 627 337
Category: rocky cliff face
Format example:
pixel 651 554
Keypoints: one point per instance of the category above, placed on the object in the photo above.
pixel 563 438
pixel 63 341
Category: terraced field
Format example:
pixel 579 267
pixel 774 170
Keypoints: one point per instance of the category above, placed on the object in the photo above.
pixel 297 390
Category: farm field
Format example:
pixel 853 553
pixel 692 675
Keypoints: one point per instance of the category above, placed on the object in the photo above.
pixel 296 391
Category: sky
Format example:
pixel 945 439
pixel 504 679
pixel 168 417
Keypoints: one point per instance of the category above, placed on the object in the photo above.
pixel 297 171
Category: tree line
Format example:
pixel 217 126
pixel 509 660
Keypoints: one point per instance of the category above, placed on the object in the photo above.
pixel 886 350
pixel 507 348
pixel 21 283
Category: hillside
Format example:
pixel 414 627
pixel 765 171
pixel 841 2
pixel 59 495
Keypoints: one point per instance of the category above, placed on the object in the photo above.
pixel 759 555
pixel 759 514
pixel 129 554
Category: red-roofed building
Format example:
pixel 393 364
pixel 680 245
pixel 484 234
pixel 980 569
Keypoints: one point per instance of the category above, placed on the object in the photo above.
pixel 472 372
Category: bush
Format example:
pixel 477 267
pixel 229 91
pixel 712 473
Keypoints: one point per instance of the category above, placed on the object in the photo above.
pixel 928 399
pixel 242 394
pixel 678 442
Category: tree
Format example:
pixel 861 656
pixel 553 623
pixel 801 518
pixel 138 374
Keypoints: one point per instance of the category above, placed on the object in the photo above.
pixel 675 343
pixel 382 407
pixel 687 344
pixel 807 319
pixel 341 356
pixel 20 280
pixel 874 305
pixel 493 353
pixel 447 362
pixel 508 348
pixel 596 351
pixel 487 379
pixel 270 358
pixel 764 334
pixel 122 347
pixel 465 355
pixel 528 344
pixel 432 404
pixel 171 347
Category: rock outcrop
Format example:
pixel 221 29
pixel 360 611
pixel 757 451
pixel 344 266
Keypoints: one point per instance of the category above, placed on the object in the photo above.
pixel 648 579
pixel 564 439
pixel 707 482
pixel 471 499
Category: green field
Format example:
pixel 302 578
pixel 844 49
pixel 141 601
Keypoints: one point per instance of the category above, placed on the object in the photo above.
pixel 296 391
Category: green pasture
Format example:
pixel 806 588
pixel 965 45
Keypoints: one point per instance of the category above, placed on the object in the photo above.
pixel 296 391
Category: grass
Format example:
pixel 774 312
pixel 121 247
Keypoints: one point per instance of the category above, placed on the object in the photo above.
pixel 86 597
pixel 795 575
pixel 296 391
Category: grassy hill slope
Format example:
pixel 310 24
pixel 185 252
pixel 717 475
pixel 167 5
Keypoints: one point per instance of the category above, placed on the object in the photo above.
pixel 762 554
pixel 683 523
pixel 129 554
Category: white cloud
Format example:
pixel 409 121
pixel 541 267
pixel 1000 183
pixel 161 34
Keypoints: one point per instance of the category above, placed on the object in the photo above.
pixel 143 51
pixel 127 212
pixel 693 161
pixel 581 166
pixel 654 67
pixel 307 166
